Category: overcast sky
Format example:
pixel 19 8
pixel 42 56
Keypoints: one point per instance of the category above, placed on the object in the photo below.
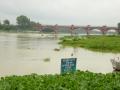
pixel 64 12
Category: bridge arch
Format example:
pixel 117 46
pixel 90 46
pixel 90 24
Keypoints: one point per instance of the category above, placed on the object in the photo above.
pixel 80 31
pixel 95 31
pixel 111 32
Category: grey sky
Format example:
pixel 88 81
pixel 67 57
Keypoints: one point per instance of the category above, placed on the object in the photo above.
pixel 64 12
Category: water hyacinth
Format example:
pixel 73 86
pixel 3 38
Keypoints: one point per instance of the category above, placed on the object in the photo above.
pixel 95 43
pixel 79 80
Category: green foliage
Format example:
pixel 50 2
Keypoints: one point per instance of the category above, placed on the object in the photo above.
pixel 6 22
pixel 23 21
pixel 97 43
pixel 118 28
pixel 73 81
pixel 32 24
pixel 0 25
pixel 8 28
pixel 118 25
pixel 24 24
pixel 47 59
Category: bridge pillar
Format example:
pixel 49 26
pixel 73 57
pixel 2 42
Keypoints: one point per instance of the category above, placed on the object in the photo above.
pixel 72 29
pixel 55 30
pixel 104 30
pixel 87 29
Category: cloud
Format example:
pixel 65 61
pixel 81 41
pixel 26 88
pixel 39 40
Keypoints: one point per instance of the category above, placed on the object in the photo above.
pixel 80 12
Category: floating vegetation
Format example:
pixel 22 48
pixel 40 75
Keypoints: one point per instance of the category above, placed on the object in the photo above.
pixel 56 49
pixel 47 59
pixel 95 43
pixel 71 81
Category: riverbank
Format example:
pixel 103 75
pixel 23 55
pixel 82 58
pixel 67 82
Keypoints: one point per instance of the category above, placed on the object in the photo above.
pixel 74 81
pixel 95 43
pixel 19 31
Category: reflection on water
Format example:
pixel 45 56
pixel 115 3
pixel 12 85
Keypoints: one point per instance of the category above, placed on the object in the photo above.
pixel 30 53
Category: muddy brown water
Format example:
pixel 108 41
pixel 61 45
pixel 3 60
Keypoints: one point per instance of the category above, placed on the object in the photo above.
pixel 26 53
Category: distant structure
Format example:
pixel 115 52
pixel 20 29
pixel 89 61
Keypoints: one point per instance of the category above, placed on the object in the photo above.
pixel 88 29
pixel 72 28
pixel 55 28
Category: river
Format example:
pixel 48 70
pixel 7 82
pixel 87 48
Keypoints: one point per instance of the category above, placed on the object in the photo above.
pixel 26 53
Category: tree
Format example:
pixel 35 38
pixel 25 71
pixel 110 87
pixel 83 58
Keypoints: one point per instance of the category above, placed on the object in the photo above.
pixel 32 24
pixel 6 25
pixel 0 23
pixel 118 28
pixel 23 21
pixel 6 22
pixel 119 25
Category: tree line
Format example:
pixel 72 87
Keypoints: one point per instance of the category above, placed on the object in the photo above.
pixel 23 23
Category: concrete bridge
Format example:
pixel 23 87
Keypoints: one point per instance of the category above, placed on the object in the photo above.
pixel 72 28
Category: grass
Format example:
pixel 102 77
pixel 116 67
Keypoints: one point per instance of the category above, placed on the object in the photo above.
pixel 95 43
pixel 73 81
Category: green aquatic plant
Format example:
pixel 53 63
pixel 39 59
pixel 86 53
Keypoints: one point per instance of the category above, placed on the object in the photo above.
pixel 47 59
pixel 78 80
pixel 95 43
pixel 56 49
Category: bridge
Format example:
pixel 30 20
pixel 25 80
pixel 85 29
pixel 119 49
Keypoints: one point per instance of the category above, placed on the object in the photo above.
pixel 72 28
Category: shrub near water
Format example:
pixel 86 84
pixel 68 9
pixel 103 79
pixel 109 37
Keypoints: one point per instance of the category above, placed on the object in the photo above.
pixel 73 81
pixel 96 43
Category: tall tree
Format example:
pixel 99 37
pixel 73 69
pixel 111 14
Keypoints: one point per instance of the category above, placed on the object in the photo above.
pixel 0 25
pixel 6 22
pixel 118 28
pixel 23 21
pixel 32 23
